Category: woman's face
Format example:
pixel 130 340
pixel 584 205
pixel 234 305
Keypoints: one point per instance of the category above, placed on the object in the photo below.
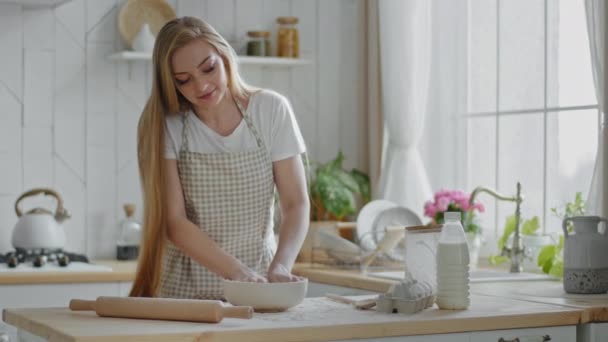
pixel 199 74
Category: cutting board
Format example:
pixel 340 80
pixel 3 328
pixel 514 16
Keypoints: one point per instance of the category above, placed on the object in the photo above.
pixel 319 319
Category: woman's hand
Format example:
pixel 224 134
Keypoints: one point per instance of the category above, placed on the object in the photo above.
pixel 248 275
pixel 278 273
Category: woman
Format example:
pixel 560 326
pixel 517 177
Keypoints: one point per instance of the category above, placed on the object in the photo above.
pixel 211 151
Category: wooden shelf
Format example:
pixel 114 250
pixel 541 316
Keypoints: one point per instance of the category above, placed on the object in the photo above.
pixel 35 3
pixel 129 56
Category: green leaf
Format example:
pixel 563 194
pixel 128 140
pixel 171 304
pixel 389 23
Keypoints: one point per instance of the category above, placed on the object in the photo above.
pixel 497 259
pixel 336 164
pixel 560 244
pixel 340 202
pixel 364 185
pixel 509 228
pixel 558 269
pixel 546 254
pixel 530 226
pixel 547 266
pixel 347 180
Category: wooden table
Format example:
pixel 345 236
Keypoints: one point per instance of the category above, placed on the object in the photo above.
pixel 316 319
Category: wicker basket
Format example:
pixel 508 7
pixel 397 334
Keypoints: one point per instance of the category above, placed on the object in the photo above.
pixel 134 13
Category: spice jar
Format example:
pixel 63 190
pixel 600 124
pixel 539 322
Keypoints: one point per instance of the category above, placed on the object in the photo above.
pixel 127 246
pixel 287 37
pixel 259 43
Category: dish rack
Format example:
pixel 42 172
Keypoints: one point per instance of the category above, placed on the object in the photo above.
pixel 342 253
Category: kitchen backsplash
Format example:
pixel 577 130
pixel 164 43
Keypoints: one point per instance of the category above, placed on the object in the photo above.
pixel 68 115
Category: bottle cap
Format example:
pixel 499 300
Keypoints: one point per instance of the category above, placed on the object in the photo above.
pixel 258 34
pixel 287 20
pixel 452 216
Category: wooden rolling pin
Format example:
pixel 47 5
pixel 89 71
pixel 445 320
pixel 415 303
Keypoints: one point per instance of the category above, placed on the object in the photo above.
pixel 192 310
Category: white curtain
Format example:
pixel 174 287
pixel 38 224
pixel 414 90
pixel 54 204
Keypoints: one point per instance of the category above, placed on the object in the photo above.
pixel 405 41
pixel 596 10
pixel 375 119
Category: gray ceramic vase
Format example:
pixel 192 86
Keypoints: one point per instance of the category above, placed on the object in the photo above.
pixel 585 256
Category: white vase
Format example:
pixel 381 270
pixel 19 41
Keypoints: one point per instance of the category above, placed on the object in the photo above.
pixel 474 242
pixel 144 40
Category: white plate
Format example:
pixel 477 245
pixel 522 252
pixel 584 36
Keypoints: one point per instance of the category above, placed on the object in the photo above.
pixel 397 216
pixel 338 247
pixel 365 221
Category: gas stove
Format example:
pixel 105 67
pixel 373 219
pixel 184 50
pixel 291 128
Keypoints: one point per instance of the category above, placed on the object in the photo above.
pixel 40 257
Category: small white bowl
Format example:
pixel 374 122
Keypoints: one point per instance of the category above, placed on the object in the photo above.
pixel 265 297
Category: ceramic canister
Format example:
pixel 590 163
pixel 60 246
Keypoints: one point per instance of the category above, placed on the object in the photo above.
pixel 585 256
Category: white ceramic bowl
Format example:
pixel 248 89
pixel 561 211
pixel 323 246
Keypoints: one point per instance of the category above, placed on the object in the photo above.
pixel 265 297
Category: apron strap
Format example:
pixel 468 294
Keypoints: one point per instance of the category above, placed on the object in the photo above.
pixel 250 124
pixel 184 146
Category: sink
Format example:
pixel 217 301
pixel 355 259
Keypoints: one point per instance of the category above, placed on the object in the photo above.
pixel 477 276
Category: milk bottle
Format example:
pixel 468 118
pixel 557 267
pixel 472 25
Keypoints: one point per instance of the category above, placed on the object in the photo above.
pixel 452 265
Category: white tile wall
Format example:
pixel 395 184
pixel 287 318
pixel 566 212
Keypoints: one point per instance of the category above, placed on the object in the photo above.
pixel 68 115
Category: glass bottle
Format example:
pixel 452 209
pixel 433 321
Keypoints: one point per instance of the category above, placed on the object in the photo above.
pixel 259 43
pixel 287 37
pixel 127 246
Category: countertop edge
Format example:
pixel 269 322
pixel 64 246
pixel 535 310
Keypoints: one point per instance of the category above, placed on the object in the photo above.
pixel 560 317
pixel 122 271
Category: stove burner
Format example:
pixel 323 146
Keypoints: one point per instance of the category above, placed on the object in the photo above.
pixel 40 257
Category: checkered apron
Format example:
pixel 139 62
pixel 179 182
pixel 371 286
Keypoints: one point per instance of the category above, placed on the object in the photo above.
pixel 230 197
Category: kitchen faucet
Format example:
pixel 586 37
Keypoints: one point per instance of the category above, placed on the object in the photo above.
pixel 516 252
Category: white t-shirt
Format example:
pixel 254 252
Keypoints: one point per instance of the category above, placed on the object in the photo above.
pixel 270 113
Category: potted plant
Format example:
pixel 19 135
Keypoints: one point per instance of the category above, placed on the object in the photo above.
pixel 550 257
pixel 337 194
pixel 542 251
pixel 456 200
pixel 530 238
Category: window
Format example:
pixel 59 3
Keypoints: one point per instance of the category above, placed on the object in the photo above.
pixel 531 110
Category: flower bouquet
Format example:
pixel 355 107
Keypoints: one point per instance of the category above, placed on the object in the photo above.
pixel 454 200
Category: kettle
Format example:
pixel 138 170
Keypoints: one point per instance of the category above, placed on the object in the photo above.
pixel 39 228
pixel 585 256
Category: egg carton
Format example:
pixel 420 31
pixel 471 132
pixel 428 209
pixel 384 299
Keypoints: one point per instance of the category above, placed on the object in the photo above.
pixel 407 297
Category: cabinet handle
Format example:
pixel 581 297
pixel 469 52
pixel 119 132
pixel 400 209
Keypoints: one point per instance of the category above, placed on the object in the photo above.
pixel 528 339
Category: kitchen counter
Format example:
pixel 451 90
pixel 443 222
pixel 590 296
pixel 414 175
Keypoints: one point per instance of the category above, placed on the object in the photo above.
pixel 340 277
pixel 121 271
pixel 594 308
pixel 315 319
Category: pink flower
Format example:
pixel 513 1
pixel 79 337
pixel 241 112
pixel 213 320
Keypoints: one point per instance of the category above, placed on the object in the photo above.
pixel 429 209
pixel 444 198
pixel 442 203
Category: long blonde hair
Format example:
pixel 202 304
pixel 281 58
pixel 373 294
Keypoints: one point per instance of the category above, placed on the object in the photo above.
pixel 165 100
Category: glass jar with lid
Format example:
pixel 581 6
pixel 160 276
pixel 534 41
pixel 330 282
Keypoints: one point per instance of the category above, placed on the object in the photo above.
pixel 287 37
pixel 259 43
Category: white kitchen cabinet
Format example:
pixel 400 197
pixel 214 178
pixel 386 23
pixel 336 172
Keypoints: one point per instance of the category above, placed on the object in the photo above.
pixel 557 334
pixel 457 337
pixel 124 288
pixel 592 332
pixel 53 295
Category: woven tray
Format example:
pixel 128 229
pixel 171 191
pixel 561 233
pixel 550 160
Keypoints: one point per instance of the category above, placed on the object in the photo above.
pixel 134 13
